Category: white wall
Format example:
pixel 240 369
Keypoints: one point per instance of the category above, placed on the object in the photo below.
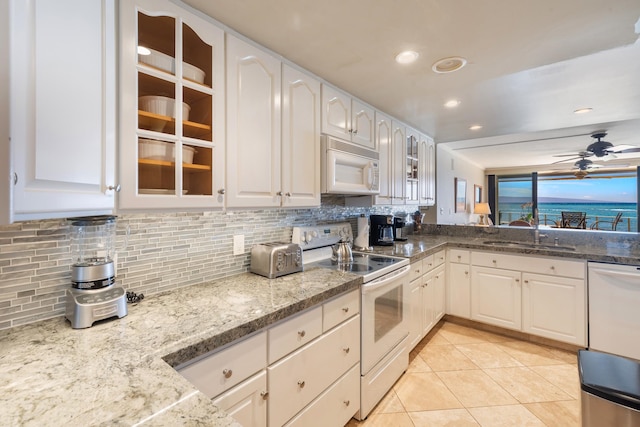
pixel 449 166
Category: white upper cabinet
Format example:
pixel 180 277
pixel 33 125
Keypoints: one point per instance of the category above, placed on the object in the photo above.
pixel 300 139
pixel 383 135
pixel 412 167
pixel 254 127
pixel 398 163
pixel 347 118
pixel 62 103
pixel 172 137
pixel 426 171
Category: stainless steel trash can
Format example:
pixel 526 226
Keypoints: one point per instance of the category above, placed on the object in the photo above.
pixel 610 390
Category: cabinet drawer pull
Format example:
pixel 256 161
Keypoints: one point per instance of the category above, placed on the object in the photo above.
pixel 517 280
pixel 346 309
pixel 227 373
pixel 347 402
pixel 495 262
pixel 288 194
pixel 115 188
pixel 459 258
pixel 553 267
pixel 526 281
pixel 301 384
pixel 466 272
pixel 346 350
pixel 221 191
pixel 264 395
pixel 302 334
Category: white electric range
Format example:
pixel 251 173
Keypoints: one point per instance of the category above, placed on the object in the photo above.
pixel 384 310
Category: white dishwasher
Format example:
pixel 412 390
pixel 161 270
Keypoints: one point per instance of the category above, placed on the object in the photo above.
pixel 614 309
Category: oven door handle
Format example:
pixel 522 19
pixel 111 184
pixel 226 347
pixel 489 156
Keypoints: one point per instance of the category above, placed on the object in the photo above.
pixel 385 280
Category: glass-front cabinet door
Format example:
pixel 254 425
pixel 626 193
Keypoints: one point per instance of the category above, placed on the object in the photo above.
pixel 411 167
pixel 172 108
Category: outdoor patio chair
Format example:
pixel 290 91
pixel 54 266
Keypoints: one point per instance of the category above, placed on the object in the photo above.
pixel 614 223
pixel 574 220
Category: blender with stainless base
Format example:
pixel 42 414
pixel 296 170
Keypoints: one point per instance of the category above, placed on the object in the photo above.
pixel 93 295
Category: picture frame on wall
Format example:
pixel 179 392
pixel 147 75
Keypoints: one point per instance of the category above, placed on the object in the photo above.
pixel 477 194
pixel 460 190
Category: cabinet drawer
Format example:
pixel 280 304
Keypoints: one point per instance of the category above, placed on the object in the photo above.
pixel 340 309
pixel 334 407
pixel 299 378
pixel 427 263
pixel 294 333
pixel 531 264
pixel 220 371
pixel 459 256
pixel 417 269
pixel 438 258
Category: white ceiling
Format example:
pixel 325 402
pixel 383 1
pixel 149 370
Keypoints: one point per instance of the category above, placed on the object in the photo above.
pixel 530 65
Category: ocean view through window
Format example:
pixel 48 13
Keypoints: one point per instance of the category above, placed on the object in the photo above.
pixel 609 200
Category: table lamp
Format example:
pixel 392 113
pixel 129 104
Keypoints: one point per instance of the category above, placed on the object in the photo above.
pixel 482 209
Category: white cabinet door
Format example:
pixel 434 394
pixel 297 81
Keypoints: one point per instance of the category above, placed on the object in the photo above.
pixel 62 103
pixel 253 126
pixel 363 124
pixel 383 134
pixel 336 113
pixel 428 307
pixel 300 139
pixel 439 292
pixel 496 297
pixel 170 157
pixel 459 290
pixel 554 307
pixel 246 402
pixel 427 172
pixel 398 158
pixel 5 153
pixel 415 312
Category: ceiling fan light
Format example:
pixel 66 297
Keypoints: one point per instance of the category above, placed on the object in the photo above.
pixel 583 110
pixel 475 127
pixel 453 103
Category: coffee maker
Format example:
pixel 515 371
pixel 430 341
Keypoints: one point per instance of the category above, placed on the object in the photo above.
pixel 93 294
pixel 398 224
pixel 381 232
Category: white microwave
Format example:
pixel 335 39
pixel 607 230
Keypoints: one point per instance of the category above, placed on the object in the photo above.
pixel 349 169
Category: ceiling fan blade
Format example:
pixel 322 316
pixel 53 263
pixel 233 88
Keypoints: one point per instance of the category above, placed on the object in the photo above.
pixel 607 157
pixel 566 160
pixel 628 150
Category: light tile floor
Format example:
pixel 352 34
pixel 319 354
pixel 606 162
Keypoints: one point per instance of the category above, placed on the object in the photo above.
pixel 460 376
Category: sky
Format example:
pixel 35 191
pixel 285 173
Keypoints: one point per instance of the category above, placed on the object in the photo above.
pixel 616 190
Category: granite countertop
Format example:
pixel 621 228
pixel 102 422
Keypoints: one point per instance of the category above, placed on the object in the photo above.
pixel 119 372
pixel 419 246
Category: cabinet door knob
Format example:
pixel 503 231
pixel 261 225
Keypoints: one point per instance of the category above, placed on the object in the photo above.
pixel 346 350
pixel 221 191
pixel 279 193
pixel 347 402
pixel 15 178
pixel 264 395
pixel 517 280
pixel 466 272
pixel 302 334
pixel 355 131
pixel 301 384
pixel 115 188
pixel 288 194
pixel 227 373
pixel 345 309
pixel 526 281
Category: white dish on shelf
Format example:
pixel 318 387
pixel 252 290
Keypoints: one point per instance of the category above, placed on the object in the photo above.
pixel 153 149
pixel 159 191
pixel 166 63
pixel 162 105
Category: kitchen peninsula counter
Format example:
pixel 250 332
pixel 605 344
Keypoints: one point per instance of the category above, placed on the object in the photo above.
pixel 120 372
pixel 419 246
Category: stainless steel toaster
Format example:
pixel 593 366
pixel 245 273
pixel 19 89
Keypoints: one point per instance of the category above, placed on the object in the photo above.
pixel 276 259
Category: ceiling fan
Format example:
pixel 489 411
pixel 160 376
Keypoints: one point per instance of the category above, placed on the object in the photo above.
pixel 601 149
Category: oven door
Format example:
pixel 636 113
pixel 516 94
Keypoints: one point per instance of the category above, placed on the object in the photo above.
pixel 384 315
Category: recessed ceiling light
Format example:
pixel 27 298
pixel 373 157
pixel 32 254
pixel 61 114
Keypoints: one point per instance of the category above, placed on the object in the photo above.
pixel 475 127
pixel 453 103
pixel 407 57
pixel 143 51
pixel 449 65
pixel 583 110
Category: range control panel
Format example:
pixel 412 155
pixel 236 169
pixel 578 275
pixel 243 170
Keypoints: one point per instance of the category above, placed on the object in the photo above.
pixel 318 236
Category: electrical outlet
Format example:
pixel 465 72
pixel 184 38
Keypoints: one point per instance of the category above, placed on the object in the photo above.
pixel 238 244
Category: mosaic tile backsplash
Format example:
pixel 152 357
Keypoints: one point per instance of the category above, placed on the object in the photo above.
pixel 164 251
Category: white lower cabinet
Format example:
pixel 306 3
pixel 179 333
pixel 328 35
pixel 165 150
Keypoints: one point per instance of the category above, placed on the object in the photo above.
pixel 299 378
pixel 303 371
pixel 496 297
pixel 459 284
pixel 426 295
pixel 247 402
pixel 538 295
pixel 553 307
